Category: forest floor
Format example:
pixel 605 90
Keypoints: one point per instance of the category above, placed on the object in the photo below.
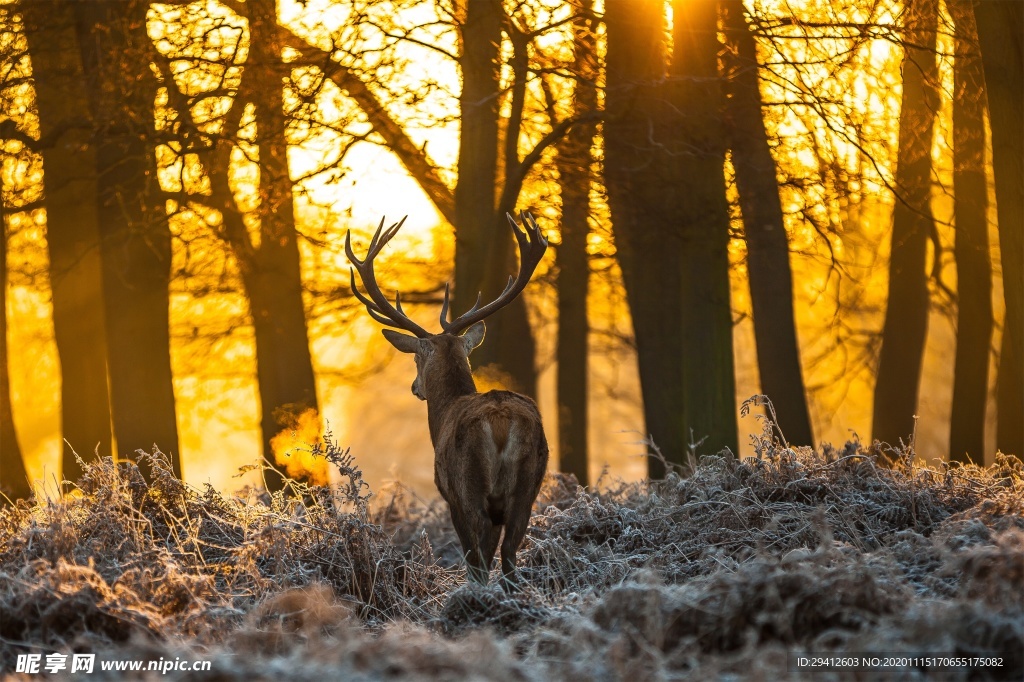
pixel 731 572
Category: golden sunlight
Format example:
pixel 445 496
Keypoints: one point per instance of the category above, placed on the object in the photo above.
pixel 369 129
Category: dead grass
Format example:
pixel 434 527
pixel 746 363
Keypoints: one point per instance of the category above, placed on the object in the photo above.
pixel 720 574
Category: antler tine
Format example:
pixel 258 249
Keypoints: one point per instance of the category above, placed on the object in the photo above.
pixel 532 246
pixel 444 305
pixel 377 304
pixel 449 326
pixel 348 245
pixel 531 231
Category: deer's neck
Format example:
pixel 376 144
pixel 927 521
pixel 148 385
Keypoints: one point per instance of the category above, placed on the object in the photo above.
pixel 441 395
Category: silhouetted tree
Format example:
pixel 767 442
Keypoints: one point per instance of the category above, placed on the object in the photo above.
pixel 906 315
pixel 494 158
pixel 709 382
pixel 771 280
pixel 13 478
pixel 483 254
pixel 135 241
pixel 1001 35
pixel 271 270
pixel 973 263
pixel 72 230
pixel 267 257
pixel 413 156
pixel 639 182
pixel 664 157
pixel 573 161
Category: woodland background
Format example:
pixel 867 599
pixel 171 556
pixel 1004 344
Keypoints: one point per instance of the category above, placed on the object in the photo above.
pixel 818 201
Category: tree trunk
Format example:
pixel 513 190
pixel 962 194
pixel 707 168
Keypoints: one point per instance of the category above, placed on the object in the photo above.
pixel 771 280
pixel 273 279
pixel 973 266
pixel 664 161
pixel 478 149
pixel 709 380
pixel 573 161
pixel 641 185
pixel 906 315
pixel 510 352
pixel 135 241
pixel 72 231
pixel 14 482
pixel 1001 34
pixel 482 236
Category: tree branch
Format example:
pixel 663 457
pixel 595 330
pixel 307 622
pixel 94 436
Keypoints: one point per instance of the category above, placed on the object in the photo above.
pixel 411 156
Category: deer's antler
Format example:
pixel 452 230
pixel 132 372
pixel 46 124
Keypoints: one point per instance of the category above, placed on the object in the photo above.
pixel 532 246
pixel 377 304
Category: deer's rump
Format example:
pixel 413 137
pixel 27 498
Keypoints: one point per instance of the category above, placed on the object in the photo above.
pixel 504 453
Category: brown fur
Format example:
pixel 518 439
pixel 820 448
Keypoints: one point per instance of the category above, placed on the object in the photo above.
pixel 490 452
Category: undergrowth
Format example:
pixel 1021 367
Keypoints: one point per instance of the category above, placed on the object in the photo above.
pixel 723 573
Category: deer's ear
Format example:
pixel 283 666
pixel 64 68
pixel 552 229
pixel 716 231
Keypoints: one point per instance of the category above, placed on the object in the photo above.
pixel 474 336
pixel 403 342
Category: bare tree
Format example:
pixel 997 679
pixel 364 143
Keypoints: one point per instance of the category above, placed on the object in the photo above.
pixel 482 259
pixel 133 241
pixel 906 315
pixel 14 198
pixel 831 112
pixel 771 280
pixel 971 247
pixel 664 158
pixel 497 150
pixel 268 257
pixel 72 229
pixel 573 161
pixel 709 409
pixel 637 176
pixel 1001 35
pixel 14 483
pixel 271 271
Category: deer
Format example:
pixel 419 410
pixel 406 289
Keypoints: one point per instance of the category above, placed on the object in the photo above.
pixel 490 452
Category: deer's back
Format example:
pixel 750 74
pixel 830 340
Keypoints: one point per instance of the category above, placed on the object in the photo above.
pixel 491 449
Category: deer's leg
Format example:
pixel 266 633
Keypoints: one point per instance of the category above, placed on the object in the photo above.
pixel 517 521
pixel 490 544
pixel 469 527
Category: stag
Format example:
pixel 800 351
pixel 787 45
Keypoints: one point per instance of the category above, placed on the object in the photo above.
pixel 490 453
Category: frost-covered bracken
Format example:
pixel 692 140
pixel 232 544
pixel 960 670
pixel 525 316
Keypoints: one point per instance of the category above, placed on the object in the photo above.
pixel 723 573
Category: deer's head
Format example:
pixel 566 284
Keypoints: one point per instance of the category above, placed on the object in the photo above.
pixel 439 358
pixel 442 360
